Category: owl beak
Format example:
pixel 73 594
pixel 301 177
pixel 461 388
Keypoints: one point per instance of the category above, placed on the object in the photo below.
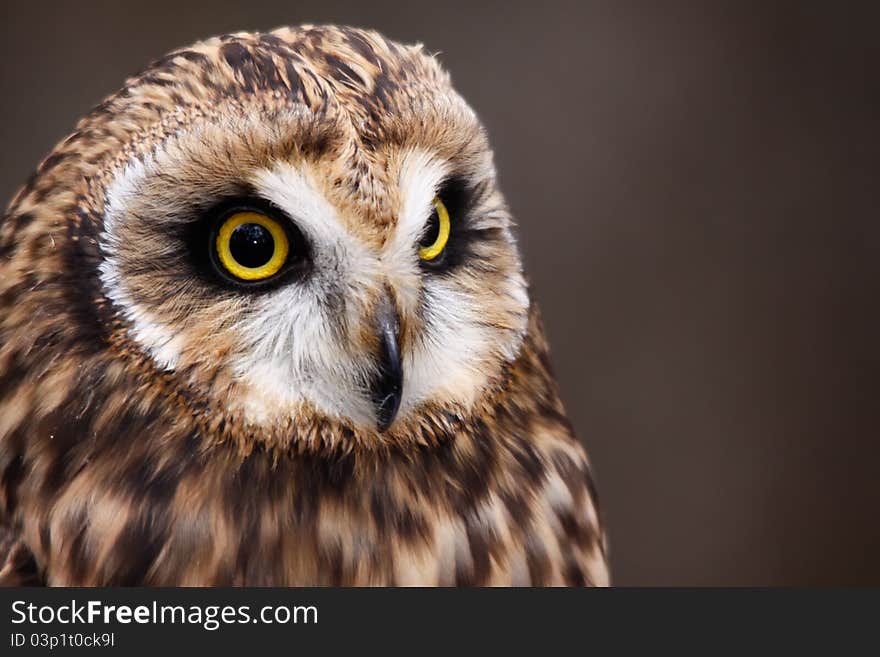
pixel 388 385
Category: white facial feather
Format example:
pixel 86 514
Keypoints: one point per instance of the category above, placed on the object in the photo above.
pixel 453 345
pixel 293 352
pixel 159 340
pixel 420 178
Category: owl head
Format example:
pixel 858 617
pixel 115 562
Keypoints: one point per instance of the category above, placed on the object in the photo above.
pixel 297 232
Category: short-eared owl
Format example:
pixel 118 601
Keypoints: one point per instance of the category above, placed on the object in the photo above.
pixel 263 321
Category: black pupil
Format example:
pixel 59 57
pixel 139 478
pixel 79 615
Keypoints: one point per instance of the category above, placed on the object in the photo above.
pixel 252 245
pixel 432 232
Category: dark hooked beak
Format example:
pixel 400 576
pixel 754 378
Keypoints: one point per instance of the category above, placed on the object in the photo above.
pixel 388 384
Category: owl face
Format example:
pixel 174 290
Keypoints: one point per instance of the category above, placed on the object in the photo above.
pixel 333 247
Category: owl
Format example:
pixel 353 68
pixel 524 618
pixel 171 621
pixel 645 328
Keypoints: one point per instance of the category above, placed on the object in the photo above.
pixel 263 321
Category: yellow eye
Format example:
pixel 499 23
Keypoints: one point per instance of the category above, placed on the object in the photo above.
pixel 251 246
pixel 435 239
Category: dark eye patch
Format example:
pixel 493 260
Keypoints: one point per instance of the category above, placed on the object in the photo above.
pixel 250 244
pixel 461 200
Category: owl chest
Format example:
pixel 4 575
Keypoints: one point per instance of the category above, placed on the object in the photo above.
pixel 304 525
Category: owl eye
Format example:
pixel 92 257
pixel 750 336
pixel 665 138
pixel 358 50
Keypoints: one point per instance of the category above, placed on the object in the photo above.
pixel 251 246
pixel 437 233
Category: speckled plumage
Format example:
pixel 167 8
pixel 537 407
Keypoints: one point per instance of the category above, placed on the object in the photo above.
pixel 151 430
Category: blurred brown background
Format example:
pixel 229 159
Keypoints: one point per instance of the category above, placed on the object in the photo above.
pixel 697 190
